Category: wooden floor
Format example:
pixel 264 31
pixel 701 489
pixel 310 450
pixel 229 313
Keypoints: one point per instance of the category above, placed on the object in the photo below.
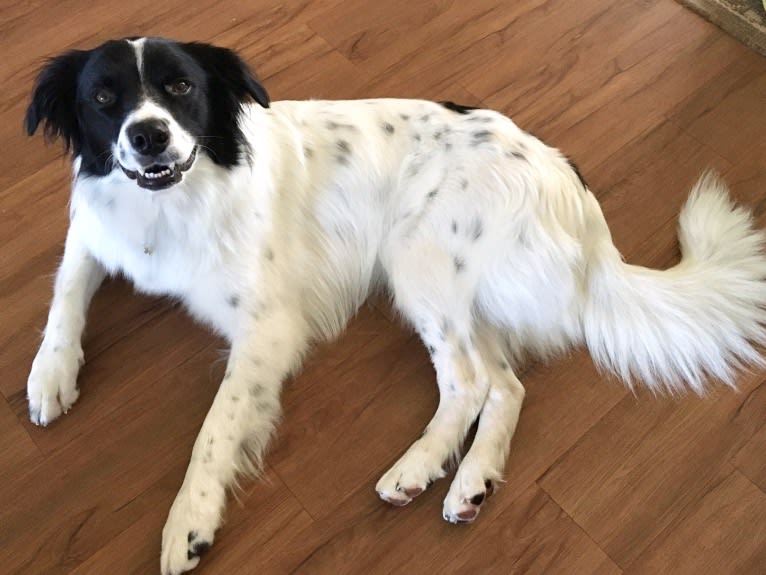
pixel 643 94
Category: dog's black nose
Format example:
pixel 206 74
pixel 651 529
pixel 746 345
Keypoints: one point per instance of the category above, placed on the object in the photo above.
pixel 149 137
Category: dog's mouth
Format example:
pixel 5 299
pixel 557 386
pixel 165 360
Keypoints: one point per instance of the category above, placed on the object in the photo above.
pixel 161 176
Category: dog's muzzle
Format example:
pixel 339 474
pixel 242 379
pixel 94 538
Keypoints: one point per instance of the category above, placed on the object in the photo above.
pixel 159 176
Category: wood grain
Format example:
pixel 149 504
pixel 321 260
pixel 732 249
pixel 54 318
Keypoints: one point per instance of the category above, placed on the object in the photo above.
pixel 643 94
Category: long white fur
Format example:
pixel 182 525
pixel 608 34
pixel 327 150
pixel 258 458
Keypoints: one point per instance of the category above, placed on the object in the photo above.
pixel 488 242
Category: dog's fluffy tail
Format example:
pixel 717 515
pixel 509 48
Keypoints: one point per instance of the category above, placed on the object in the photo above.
pixel 702 318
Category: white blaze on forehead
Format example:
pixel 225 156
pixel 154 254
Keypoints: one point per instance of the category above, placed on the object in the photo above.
pixel 138 47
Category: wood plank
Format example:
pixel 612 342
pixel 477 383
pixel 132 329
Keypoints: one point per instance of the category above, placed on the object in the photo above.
pixel 721 532
pixel 636 471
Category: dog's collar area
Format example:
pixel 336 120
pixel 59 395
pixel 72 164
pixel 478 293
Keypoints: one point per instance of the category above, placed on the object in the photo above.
pixel 160 177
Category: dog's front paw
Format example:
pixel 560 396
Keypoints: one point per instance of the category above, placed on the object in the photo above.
pixel 52 383
pixel 189 530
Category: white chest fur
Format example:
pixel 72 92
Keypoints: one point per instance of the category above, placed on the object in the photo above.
pixel 165 243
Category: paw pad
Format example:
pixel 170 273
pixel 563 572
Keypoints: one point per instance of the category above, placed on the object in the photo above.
pixel 196 548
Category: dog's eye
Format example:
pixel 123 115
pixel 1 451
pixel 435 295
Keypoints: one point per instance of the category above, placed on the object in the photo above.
pixel 104 97
pixel 178 88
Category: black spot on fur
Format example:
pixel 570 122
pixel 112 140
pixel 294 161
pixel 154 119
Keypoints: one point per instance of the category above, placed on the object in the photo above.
pixel 269 254
pixel 515 154
pixel 234 399
pixel 264 406
pixel 308 152
pixel 432 194
pixel 344 150
pixel 256 390
pixel 233 301
pixel 198 550
pixel 191 536
pixel 459 264
pixel 504 366
pixel 431 349
pixel 203 494
pixel 388 128
pixel 331 125
pixel 481 137
pixel 464 184
pixel 446 327
pixel 477 229
pixel 454 227
pixel 477 499
pixel 416 137
pixel 459 108
pixel 404 116
pixel 425 117
pixel 577 173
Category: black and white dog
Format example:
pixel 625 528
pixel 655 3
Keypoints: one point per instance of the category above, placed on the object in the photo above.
pixel 273 223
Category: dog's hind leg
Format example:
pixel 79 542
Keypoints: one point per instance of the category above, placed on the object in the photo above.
pixel 482 466
pixel 436 295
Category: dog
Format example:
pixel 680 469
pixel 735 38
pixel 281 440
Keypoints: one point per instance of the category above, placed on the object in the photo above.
pixel 273 222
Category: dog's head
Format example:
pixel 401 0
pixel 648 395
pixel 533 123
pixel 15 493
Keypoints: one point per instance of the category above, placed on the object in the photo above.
pixel 145 106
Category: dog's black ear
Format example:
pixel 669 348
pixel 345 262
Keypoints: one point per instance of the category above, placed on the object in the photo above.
pixel 54 99
pixel 226 67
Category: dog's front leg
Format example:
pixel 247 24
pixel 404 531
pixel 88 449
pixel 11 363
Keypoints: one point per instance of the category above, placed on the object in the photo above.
pixel 235 432
pixel 52 383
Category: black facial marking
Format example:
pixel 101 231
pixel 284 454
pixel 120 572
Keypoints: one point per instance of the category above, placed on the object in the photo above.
pixel 84 97
pixel 233 301
pixel 432 194
pixel 454 227
pixel 459 108
pixel 191 536
pixel 459 264
pixel 577 173
pixel 388 128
